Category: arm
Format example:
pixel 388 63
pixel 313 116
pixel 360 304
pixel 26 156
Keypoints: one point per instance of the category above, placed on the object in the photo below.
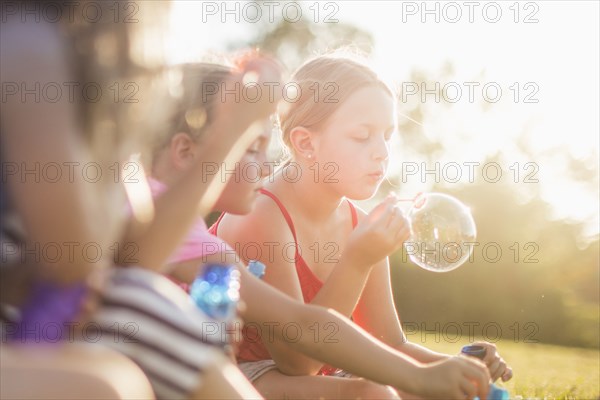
pixel 38 133
pixel 275 242
pixel 377 313
pixel 354 350
pixel 176 210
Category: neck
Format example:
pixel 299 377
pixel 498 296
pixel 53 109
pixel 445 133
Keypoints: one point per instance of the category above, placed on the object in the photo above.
pixel 311 197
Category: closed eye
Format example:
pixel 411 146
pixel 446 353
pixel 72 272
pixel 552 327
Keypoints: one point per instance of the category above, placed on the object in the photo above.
pixel 362 135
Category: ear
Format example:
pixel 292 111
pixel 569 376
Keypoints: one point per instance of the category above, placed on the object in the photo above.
pixel 303 142
pixel 182 150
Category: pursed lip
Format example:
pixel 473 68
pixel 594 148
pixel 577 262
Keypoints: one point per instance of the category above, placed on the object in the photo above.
pixel 377 174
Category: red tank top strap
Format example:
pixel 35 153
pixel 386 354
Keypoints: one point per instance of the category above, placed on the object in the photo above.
pixel 214 227
pixel 285 213
pixel 354 214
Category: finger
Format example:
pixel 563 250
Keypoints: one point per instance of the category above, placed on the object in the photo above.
pixel 508 374
pixel 491 352
pixel 392 216
pixel 497 369
pixel 468 388
pixel 398 219
pixel 384 214
pixel 403 233
pixel 477 371
pixel 379 210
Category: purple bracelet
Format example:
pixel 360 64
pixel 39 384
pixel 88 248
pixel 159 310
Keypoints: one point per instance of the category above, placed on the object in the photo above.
pixel 48 313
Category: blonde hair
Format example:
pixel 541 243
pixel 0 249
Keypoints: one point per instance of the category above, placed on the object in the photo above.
pixel 323 84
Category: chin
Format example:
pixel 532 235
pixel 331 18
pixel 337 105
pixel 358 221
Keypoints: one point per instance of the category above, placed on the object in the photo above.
pixel 360 195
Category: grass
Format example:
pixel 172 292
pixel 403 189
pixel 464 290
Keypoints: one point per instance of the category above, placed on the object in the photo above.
pixel 540 371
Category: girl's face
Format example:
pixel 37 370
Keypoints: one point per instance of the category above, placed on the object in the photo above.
pixel 352 149
pixel 243 185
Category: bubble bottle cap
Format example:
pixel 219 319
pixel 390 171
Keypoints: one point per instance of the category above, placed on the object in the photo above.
pixel 474 351
pixel 257 268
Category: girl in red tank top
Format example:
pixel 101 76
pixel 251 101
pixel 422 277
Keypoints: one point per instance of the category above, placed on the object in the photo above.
pixel 338 138
pixel 252 348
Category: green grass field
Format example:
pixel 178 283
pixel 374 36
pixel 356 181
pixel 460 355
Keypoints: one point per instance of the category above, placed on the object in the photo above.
pixel 541 371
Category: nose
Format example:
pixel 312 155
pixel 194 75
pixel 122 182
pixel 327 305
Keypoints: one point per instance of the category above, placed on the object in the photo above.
pixel 381 151
pixel 264 166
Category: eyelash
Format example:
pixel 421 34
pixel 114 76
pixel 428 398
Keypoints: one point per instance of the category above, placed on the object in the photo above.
pixel 386 137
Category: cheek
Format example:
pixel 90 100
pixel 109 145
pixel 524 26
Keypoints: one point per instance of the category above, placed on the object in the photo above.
pixel 243 184
pixel 342 152
pixel 350 159
pixel 236 197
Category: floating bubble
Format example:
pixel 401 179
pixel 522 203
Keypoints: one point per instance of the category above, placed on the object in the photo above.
pixel 442 232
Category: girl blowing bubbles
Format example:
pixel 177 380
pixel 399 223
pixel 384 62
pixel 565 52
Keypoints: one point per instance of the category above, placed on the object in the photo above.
pixel 340 258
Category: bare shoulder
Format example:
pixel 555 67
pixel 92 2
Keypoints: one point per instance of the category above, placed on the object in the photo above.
pixel 264 225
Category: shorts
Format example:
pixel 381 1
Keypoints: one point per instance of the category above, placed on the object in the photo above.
pixel 255 369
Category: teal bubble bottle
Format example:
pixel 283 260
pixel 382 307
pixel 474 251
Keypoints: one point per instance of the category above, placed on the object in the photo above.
pixel 216 291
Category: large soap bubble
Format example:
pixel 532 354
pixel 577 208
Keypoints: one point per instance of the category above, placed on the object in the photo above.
pixel 442 232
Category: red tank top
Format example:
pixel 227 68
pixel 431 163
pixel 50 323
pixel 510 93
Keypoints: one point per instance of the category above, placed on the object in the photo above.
pixel 252 347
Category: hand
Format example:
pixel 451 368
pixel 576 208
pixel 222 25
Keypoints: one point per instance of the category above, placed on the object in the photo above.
pixel 379 234
pixel 258 89
pixel 496 365
pixel 233 332
pixel 458 377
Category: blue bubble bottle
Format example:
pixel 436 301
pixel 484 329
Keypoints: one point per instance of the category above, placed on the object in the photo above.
pixel 216 291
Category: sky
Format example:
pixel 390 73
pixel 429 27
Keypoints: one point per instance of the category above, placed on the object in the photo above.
pixel 546 52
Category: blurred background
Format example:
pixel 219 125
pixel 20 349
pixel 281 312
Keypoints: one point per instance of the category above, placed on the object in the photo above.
pixel 498 106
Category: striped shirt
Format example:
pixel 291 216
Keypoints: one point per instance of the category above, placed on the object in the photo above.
pixel 151 320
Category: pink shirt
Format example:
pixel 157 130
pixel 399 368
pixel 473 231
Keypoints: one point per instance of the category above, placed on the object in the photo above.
pixel 198 242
